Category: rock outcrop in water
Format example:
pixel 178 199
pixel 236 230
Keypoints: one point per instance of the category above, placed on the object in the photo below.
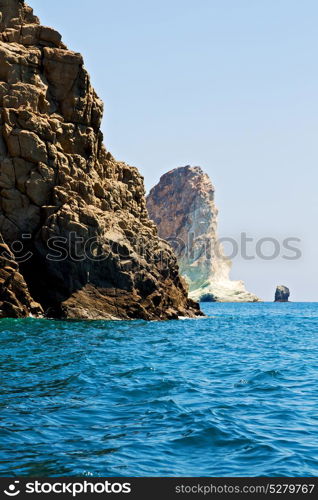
pixel 183 208
pixel 282 294
pixel 89 248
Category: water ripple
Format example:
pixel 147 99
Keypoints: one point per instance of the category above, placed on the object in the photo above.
pixel 231 395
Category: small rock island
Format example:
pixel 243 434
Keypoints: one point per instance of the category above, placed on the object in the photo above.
pixel 282 294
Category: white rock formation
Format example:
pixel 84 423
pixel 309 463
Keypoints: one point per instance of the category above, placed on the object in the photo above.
pixel 182 205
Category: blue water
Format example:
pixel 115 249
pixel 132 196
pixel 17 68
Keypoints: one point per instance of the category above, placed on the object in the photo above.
pixel 234 394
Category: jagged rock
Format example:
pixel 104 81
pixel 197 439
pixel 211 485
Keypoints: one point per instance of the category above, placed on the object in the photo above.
pixel 282 294
pixel 95 253
pixel 182 206
pixel 15 298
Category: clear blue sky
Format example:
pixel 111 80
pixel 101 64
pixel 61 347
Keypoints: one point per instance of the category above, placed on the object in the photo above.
pixel 230 85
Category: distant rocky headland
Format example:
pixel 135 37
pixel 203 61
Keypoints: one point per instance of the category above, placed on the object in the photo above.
pixel 183 208
pixel 76 239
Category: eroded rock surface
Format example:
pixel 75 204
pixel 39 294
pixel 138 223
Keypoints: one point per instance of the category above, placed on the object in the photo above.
pixel 183 208
pixel 15 298
pixel 80 213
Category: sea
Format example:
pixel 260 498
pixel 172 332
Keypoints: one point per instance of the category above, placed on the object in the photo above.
pixel 231 394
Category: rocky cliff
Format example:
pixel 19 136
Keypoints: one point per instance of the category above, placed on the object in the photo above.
pixel 77 240
pixel 183 208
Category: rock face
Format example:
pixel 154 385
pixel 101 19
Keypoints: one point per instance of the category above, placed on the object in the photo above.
pixel 15 298
pixel 182 206
pixel 282 294
pixel 89 248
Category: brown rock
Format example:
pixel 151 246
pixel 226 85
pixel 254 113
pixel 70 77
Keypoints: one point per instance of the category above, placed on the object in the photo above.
pixel 50 35
pixel 15 298
pixel 79 213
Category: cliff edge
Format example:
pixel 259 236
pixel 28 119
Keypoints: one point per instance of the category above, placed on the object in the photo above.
pixel 77 239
